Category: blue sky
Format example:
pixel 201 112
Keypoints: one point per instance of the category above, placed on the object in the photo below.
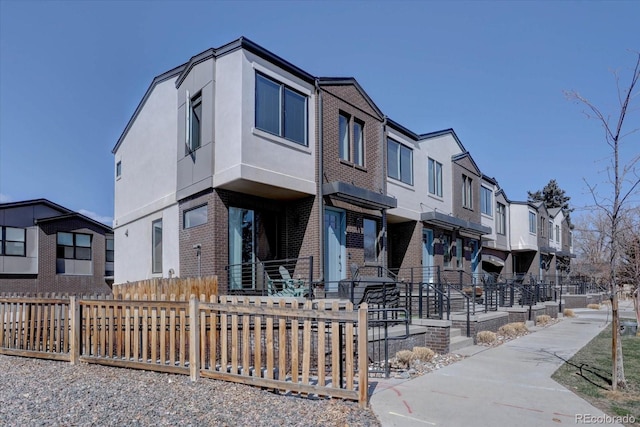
pixel 72 73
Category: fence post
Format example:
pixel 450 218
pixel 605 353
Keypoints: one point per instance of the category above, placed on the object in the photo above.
pixel 363 357
pixel 74 341
pixel 194 339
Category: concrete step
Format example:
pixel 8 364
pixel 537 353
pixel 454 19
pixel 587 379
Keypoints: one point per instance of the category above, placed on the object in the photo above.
pixel 456 343
pixel 455 332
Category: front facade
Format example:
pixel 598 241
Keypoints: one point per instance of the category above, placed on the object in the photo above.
pixel 248 159
pixel 46 248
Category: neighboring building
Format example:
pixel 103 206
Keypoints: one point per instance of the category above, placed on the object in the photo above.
pixel 239 157
pixel 45 247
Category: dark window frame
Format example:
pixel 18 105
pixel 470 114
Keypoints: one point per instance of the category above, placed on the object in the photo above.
pixel 4 241
pixel 156 258
pixel 60 248
pixel 284 90
pixel 187 211
pixel 401 171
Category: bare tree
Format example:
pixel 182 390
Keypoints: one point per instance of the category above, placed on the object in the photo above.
pixel 624 180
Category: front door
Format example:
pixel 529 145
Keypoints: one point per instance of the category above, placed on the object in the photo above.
pixel 427 256
pixel 334 256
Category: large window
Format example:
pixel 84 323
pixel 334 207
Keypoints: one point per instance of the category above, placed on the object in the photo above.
pixel 13 241
pixel 399 162
pixel 194 123
pixel 351 152
pixel 467 192
pixel 74 246
pixel 345 140
pixel 194 217
pixel 501 222
pixel 156 246
pixel 280 110
pixel 370 240
pixel 532 222
pixel 435 178
pixel 358 143
pixel 486 202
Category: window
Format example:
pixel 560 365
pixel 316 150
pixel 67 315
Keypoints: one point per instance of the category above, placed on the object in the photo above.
pixel 13 241
pixel 109 250
pixel 435 177
pixel 459 248
pixel 541 223
pixel 345 143
pixel 194 122
pixel 370 240
pixel 194 217
pixel 551 231
pixel 501 223
pixel 446 251
pixel 118 169
pixel 358 143
pixel 399 162
pixel 532 222
pixel 74 246
pixel 467 192
pixel 280 110
pixel 486 203
pixel 156 246
pixel 558 233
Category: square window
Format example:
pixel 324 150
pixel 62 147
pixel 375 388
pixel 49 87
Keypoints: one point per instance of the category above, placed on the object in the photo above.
pixel 280 110
pixel 13 241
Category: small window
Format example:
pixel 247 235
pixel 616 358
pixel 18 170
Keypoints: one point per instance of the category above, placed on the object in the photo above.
pixel 194 217
pixel 435 178
pixel 13 241
pixel 118 169
pixel 109 246
pixel 358 143
pixel 399 162
pixel 73 246
pixel 156 246
pixel 532 222
pixel 467 192
pixel 194 123
pixel 370 240
pixel 550 231
pixel 486 202
pixel 501 221
pixel 558 233
pixel 446 250
pixel 280 110
pixel 345 142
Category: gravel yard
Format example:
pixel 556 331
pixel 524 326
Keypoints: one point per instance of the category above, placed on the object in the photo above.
pixel 48 393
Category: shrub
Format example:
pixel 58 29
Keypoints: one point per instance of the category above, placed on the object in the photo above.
pixel 512 330
pixel 543 320
pixel 423 354
pixel 404 357
pixel 486 337
pixel 594 306
pixel 568 313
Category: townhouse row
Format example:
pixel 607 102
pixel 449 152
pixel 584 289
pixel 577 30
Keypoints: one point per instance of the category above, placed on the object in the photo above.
pixel 240 157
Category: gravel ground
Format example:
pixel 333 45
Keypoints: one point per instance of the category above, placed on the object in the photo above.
pixel 48 393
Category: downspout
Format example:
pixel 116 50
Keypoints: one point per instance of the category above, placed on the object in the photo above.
pixel 320 180
pixel 385 255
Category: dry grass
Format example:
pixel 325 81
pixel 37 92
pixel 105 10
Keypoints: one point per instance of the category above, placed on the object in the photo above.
pixel 543 320
pixel 423 354
pixel 594 306
pixel 512 330
pixel 404 357
pixel 486 337
pixel 568 313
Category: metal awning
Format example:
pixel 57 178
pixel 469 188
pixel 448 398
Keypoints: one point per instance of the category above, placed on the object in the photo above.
pixel 451 222
pixel 565 254
pixel 547 250
pixel 492 259
pixel 358 196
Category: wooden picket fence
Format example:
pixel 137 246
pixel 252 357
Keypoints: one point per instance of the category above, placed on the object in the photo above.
pixel 207 285
pixel 299 347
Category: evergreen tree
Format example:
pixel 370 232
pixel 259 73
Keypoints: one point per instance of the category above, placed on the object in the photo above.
pixel 553 197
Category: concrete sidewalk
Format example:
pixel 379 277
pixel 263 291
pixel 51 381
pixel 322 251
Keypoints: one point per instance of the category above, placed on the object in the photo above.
pixel 507 385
